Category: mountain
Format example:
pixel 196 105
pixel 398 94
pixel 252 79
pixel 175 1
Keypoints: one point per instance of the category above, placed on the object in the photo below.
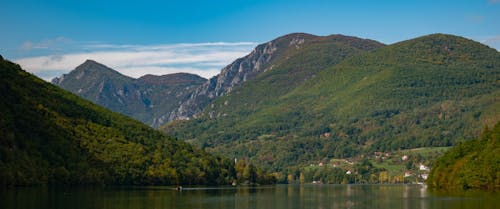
pixel 50 136
pixel 268 56
pixel 434 90
pixel 145 99
pixel 473 165
pixel 156 100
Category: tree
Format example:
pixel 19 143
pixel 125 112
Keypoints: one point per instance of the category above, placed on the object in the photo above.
pixel 289 179
pixel 250 173
pixel 383 177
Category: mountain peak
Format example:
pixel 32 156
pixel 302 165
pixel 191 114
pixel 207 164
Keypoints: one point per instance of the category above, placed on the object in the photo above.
pixel 442 48
pixel 296 35
pixel 90 70
pixel 172 79
pixel 89 61
pixel 91 65
pixel 439 40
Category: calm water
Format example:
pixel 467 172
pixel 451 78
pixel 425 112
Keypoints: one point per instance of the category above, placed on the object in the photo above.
pixel 278 197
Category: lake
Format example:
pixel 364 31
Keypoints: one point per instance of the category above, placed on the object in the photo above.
pixel 276 197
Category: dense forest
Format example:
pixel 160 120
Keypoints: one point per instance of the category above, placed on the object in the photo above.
pixel 473 164
pixel 50 136
pixel 432 91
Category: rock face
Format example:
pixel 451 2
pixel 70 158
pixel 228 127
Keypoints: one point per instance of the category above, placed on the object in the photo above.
pixel 145 99
pixel 233 75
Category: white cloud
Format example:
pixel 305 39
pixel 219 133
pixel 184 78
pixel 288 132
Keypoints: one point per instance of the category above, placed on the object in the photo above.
pixel 204 59
pixel 493 41
pixel 45 44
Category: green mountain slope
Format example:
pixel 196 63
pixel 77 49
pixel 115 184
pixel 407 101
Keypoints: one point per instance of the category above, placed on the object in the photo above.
pixel 474 164
pixel 301 57
pixel 435 90
pixel 292 68
pixel 273 57
pixel 50 136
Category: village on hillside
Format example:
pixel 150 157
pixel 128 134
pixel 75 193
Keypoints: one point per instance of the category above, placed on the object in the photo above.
pixel 410 166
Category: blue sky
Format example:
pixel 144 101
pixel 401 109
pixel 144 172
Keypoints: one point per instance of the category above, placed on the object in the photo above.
pixel 52 37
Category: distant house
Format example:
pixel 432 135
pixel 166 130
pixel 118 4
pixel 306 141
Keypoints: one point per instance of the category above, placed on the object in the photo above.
pixel 317 182
pixel 407 174
pixel 404 158
pixel 424 176
pixel 348 172
pixel 423 167
pixel 320 164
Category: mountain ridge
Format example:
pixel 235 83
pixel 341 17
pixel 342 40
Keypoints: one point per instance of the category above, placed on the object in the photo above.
pixel 170 79
pixel 130 97
pixel 145 98
pixel 246 68
pixel 435 90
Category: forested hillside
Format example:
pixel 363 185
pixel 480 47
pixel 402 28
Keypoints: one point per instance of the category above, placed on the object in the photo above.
pixel 435 90
pixel 281 64
pixel 50 136
pixel 473 164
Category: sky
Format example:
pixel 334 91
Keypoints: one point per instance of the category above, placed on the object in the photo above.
pixel 49 38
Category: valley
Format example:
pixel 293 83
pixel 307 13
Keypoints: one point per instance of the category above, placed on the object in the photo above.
pixel 304 108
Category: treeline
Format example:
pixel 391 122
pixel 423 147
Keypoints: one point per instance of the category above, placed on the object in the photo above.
pixel 363 172
pixel 473 165
pixel 50 136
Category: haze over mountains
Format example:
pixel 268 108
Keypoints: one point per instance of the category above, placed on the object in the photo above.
pixel 147 98
pixel 303 98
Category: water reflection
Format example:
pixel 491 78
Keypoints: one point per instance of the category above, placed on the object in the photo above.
pixel 279 197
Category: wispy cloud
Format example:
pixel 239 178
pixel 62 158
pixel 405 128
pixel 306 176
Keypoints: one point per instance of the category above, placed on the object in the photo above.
pixel 475 18
pixel 204 59
pixel 46 44
pixel 492 41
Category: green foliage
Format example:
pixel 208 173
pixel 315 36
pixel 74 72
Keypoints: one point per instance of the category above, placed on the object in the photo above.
pixel 436 90
pixel 248 174
pixel 473 164
pixel 50 136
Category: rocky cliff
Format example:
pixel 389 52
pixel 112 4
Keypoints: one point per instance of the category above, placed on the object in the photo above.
pixel 233 75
